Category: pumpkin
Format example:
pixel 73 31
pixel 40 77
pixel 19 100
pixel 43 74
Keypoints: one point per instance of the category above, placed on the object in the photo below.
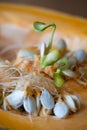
pixel 16 21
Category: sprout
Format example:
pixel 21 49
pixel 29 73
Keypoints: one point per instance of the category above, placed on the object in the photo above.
pixel 63 64
pixel 59 80
pixel 40 27
pixel 58 71
pixel 50 59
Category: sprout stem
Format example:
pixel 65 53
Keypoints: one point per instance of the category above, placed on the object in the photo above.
pixel 40 27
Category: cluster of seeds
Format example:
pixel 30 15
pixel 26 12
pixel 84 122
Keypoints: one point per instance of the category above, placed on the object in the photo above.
pixel 38 93
pixel 43 103
pixel 70 65
pixel 65 63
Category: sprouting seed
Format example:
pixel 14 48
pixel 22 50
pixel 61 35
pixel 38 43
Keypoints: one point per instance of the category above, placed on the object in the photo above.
pixel 50 59
pixel 40 27
pixel 59 80
pixel 59 71
pixel 63 63
pixel 80 55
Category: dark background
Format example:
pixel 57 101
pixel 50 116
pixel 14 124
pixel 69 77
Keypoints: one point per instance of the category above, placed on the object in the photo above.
pixel 76 7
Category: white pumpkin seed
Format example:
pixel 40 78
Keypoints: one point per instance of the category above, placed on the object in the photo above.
pixel 70 102
pixel 38 107
pixel 29 104
pixel 47 100
pixel 69 73
pixel 61 110
pixel 4 105
pixel 42 49
pixel 15 99
pixel 27 55
pixel 77 101
pixel 68 54
pixel 61 44
pixel 72 61
pixel 80 55
pixel 38 103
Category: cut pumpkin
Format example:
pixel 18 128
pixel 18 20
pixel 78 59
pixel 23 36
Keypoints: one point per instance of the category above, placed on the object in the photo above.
pixel 72 29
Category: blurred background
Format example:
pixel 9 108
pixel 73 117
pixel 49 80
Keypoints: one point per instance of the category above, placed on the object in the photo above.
pixel 75 7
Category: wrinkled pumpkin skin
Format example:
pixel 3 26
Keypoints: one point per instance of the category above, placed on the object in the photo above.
pixel 75 30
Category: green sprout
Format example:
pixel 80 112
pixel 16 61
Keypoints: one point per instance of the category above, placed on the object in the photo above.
pixel 59 79
pixel 50 59
pixel 40 27
pixel 63 64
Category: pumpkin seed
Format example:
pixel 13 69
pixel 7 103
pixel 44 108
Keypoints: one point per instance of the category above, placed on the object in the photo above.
pixel 80 55
pixel 69 73
pixel 77 101
pixel 61 44
pixel 47 100
pixel 72 61
pixel 50 59
pixel 61 110
pixel 42 49
pixel 27 55
pixel 29 104
pixel 63 63
pixel 70 102
pixel 15 99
